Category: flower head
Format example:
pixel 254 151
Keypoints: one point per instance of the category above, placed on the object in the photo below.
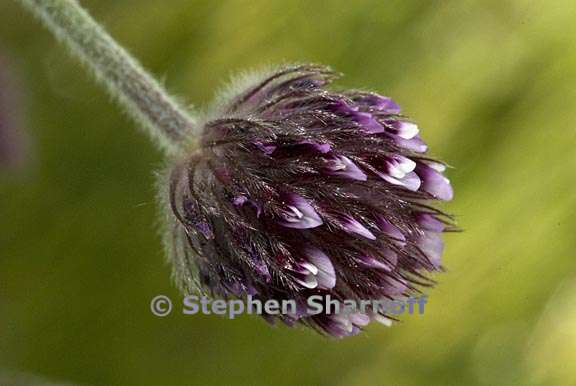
pixel 296 190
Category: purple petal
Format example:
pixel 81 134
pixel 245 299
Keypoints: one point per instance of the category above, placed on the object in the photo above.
pixel 368 123
pixel 405 130
pixel 411 181
pixel 434 182
pixel 350 225
pixel 298 213
pixel 439 167
pixel 240 200
pixel 262 269
pixel 308 281
pixel 398 166
pixel 205 229
pixel 381 103
pixel 325 275
pixel 304 273
pixel 371 262
pixel 344 167
pixel 387 265
pixel 397 170
pixel 342 107
pixel 432 246
pixel 415 144
pixel 430 223
pixel 391 230
pixel 394 286
pixel 316 271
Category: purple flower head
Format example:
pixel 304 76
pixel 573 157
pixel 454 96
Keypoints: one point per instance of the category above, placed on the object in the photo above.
pixel 297 190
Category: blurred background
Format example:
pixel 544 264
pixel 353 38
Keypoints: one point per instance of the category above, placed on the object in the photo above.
pixel 491 82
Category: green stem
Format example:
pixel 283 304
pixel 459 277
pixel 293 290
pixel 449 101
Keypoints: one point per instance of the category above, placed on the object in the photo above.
pixel 140 94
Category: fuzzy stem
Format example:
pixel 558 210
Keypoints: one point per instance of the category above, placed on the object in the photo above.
pixel 140 94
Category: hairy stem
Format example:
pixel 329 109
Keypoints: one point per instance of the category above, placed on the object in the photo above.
pixel 140 94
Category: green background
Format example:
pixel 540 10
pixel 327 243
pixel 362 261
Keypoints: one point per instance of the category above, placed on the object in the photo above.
pixel 491 83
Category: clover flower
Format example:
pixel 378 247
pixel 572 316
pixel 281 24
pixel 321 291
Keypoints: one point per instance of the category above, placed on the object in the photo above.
pixel 295 190
pixel 286 189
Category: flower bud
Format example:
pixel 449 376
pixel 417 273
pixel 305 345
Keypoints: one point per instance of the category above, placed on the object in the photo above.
pixel 297 190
